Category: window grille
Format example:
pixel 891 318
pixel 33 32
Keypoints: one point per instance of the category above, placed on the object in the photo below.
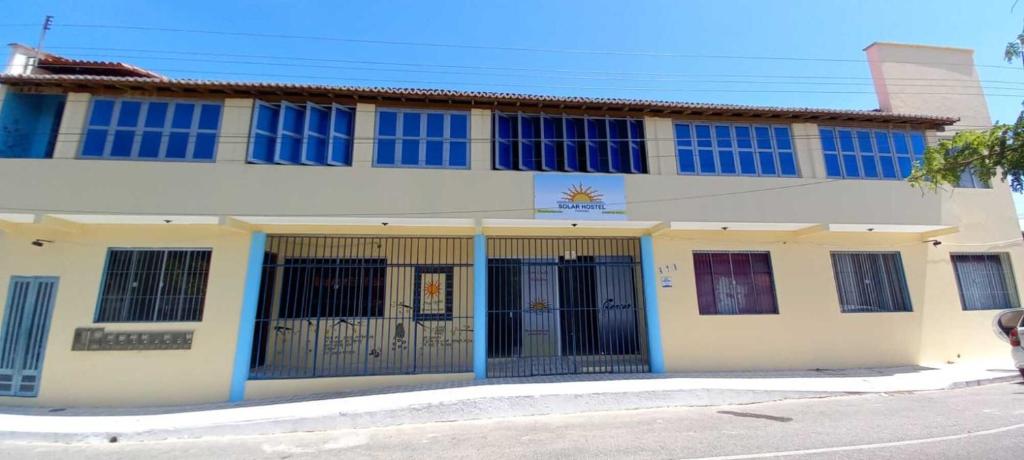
pixel 870 282
pixel 154 285
pixel 985 281
pixel 734 283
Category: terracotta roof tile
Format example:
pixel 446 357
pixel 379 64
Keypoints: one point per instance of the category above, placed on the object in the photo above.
pixel 486 98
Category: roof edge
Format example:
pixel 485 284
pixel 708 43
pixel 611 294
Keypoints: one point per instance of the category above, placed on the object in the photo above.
pixel 253 89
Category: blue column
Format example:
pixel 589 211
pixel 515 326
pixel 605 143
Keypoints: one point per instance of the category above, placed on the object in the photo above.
pixel 247 322
pixel 480 306
pixel 651 299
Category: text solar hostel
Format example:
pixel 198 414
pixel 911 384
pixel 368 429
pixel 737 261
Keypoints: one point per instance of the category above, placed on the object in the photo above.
pixel 168 241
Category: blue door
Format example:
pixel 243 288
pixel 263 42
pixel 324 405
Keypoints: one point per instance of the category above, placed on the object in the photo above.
pixel 23 337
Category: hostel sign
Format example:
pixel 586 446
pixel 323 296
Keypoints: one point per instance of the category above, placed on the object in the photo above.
pixel 579 197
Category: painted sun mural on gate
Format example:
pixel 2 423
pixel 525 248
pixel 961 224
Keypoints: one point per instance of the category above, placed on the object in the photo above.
pixel 432 290
pixel 580 193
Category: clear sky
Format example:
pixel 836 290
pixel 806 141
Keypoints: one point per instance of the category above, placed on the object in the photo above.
pixel 780 52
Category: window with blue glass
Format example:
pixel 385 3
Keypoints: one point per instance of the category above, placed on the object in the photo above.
pixel 730 149
pixel 152 129
pixel 422 139
pixel 861 153
pixel 540 142
pixel 289 133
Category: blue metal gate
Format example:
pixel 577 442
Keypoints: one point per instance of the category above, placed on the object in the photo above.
pixel 23 337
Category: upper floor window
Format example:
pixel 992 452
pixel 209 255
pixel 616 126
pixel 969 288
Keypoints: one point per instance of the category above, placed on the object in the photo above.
pixel 735 149
pixel 853 153
pixel 422 139
pixel 531 142
pixel 152 129
pixel 301 134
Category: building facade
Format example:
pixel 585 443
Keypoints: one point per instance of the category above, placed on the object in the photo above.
pixel 167 241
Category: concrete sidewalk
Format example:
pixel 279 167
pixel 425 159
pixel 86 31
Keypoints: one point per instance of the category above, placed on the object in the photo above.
pixel 474 400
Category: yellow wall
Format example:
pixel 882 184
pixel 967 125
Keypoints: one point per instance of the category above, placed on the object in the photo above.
pixel 126 378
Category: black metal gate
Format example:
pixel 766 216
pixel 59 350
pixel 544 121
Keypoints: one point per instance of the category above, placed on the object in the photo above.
pixel 363 305
pixel 565 306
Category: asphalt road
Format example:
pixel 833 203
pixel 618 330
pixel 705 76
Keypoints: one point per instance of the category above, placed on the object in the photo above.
pixel 976 423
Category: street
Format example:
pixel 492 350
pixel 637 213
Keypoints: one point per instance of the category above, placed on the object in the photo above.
pixel 981 422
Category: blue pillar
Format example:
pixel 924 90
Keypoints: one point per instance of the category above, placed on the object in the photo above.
pixel 247 322
pixel 650 276
pixel 480 306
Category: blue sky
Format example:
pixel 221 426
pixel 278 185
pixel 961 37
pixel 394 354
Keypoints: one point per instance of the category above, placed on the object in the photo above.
pixel 677 50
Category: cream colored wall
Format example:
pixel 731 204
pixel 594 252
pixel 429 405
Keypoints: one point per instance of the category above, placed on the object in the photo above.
pixel 128 378
pixel 809 331
pixel 902 72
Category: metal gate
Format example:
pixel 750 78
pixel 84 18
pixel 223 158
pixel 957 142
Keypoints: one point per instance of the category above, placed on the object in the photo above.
pixel 23 337
pixel 363 305
pixel 565 306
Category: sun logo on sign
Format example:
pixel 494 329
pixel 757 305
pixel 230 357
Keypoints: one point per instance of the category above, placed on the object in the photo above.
pixel 539 305
pixel 581 194
pixel 432 290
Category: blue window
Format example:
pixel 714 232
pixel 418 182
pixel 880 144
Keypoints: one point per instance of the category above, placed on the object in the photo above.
pixel 301 134
pixel 530 142
pixel 425 139
pixel 152 130
pixel 870 154
pixel 734 149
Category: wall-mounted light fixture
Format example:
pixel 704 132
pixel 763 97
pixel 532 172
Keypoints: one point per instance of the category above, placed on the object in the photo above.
pixel 933 242
pixel 39 243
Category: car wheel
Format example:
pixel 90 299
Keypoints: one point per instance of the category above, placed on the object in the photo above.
pixel 1021 373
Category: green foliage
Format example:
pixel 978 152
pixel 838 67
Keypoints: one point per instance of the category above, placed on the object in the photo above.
pixel 987 154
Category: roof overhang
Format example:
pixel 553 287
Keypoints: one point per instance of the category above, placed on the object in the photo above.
pixel 413 96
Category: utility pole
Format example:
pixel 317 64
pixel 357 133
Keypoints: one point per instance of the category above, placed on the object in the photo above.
pixel 47 25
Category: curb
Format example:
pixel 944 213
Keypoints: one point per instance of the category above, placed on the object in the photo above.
pixel 468 410
pixel 479 408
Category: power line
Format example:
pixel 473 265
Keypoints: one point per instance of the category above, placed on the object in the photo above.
pixel 497 48
pixel 462 72
pixel 290 62
pixel 578 87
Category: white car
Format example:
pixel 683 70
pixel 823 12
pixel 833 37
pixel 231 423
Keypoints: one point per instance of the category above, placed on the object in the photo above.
pixel 1009 326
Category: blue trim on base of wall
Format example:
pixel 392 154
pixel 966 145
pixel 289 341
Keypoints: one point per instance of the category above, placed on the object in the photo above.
pixel 247 322
pixel 650 277
pixel 480 306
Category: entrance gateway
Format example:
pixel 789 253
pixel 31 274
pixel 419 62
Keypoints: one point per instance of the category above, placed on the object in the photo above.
pixel 346 305
pixel 565 306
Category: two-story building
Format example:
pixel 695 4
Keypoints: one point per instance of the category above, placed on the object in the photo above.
pixel 168 241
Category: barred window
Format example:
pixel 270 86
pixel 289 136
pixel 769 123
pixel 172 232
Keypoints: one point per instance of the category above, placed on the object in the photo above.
pixel 734 283
pixel 870 282
pixel 154 285
pixel 342 288
pixel 985 281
